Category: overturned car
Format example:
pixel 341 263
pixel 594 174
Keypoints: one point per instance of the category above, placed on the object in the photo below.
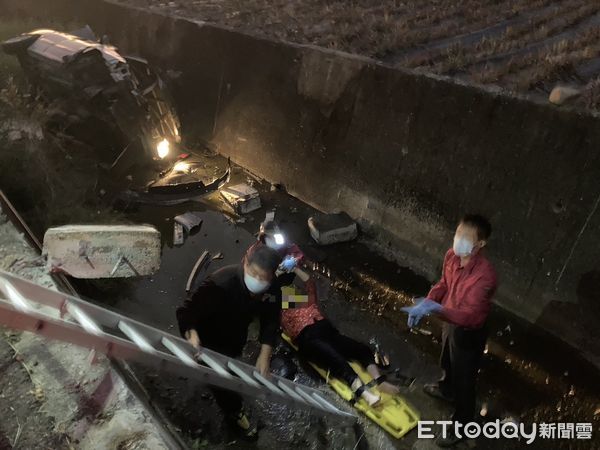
pixel 116 104
pixel 105 97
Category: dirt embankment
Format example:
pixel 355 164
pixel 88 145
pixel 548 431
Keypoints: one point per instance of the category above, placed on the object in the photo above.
pixel 522 46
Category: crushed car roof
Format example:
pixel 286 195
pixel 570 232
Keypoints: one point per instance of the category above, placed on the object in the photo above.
pixel 56 46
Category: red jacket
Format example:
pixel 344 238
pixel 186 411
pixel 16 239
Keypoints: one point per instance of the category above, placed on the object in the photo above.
pixel 294 320
pixel 465 292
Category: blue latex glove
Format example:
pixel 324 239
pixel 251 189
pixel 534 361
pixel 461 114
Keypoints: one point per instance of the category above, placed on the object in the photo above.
pixel 430 306
pixel 288 264
pixel 423 307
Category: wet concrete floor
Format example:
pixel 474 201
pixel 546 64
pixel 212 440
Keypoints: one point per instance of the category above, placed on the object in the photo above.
pixel 527 376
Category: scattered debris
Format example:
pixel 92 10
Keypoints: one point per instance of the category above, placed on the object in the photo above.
pixel 177 234
pixel 484 410
pixel 177 187
pixel 103 251
pixel 242 198
pixel 561 95
pixel 203 261
pixel 186 176
pixel 189 220
pixel 38 393
pixel 328 229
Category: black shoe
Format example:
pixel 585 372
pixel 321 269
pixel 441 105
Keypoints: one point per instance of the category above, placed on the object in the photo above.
pixel 449 441
pixel 433 390
pixel 243 426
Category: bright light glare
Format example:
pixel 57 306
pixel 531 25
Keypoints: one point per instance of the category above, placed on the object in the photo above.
pixel 279 238
pixel 181 167
pixel 163 148
pixel 15 297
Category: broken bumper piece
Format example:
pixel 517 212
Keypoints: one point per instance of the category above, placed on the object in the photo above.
pixel 175 188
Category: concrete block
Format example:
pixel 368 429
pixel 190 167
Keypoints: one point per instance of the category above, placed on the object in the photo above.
pixel 242 198
pixel 328 229
pixel 103 251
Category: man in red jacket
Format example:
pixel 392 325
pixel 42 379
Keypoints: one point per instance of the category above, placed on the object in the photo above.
pixel 463 299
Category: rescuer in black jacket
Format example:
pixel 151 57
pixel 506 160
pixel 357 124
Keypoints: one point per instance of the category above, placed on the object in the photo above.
pixel 218 313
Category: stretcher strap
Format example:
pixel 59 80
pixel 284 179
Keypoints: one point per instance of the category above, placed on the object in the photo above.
pixel 375 381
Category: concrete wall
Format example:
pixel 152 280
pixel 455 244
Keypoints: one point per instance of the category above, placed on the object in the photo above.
pixel 405 154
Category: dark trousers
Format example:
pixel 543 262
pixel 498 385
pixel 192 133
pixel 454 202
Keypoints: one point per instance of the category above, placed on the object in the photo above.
pixel 462 350
pixel 322 344
pixel 230 402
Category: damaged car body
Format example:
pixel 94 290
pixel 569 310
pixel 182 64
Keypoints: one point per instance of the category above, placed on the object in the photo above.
pixel 116 104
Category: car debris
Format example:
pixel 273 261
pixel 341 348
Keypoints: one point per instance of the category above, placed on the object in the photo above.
pixel 328 229
pixel 189 220
pixel 202 263
pixel 101 95
pixel 242 198
pixel 178 237
pixel 102 251
pixel 170 193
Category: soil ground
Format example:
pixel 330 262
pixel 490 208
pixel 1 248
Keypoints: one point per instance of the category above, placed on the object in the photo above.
pixel 524 46
pixel 23 424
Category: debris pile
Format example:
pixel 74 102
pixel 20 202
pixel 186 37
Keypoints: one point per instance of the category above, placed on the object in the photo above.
pixel 242 198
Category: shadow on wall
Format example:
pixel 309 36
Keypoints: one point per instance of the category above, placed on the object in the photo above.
pixel 588 292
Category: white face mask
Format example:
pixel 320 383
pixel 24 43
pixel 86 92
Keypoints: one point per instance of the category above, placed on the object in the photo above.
pixel 255 285
pixel 462 246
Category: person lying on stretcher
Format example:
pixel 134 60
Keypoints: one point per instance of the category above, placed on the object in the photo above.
pixel 319 342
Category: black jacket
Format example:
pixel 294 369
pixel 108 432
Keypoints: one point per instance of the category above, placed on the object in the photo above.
pixel 222 308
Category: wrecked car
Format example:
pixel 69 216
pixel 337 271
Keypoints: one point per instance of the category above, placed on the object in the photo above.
pixel 115 101
pixel 115 104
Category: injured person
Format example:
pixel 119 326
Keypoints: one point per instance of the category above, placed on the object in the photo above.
pixel 319 342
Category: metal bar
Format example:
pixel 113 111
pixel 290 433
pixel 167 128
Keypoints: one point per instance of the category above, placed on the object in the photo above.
pixel 142 346
pixel 214 364
pixel 325 402
pixel 15 218
pixel 179 352
pixel 308 398
pixel 239 371
pixel 199 263
pixel 84 320
pixel 15 296
pixel 136 337
pixel 289 391
pixel 267 383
